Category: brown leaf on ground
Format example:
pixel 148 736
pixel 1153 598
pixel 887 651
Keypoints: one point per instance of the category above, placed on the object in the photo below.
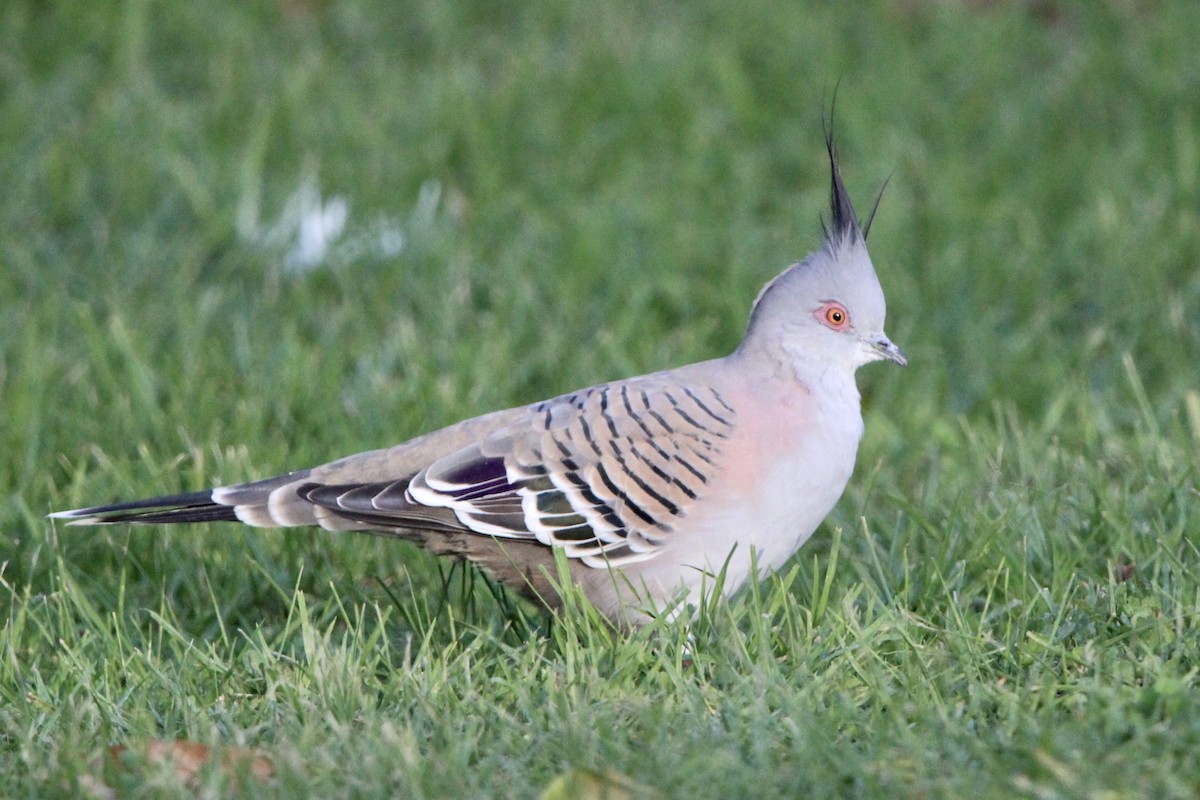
pixel 186 759
pixel 590 784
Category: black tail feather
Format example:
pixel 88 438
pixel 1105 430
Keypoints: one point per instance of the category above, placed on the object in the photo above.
pixel 193 507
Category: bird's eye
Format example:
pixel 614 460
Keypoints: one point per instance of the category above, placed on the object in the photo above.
pixel 834 315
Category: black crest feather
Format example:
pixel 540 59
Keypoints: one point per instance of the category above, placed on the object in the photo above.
pixel 845 221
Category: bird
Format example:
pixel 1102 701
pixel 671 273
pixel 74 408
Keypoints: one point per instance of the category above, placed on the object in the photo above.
pixel 653 490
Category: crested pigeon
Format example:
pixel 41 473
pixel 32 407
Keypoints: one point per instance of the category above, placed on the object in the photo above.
pixel 648 487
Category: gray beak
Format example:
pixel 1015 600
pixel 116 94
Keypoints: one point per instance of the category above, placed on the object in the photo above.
pixel 888 351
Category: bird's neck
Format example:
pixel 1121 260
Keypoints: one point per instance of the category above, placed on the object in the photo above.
pixel 817 374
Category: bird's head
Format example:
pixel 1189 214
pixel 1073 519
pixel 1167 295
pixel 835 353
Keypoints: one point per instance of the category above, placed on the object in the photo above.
pixel 827 310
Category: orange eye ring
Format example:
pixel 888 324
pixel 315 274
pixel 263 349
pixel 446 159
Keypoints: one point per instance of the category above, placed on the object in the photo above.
pixel 834 315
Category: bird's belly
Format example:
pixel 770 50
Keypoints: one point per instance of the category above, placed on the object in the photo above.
pixel 780 480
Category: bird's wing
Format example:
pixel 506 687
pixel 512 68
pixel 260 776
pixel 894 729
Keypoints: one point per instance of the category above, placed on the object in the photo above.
pixel 605 473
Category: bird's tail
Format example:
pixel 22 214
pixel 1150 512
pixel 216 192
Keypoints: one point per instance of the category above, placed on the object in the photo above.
pixel 193 507
pixel 250 503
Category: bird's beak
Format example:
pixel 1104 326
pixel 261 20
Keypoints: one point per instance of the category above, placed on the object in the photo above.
pixel 887 350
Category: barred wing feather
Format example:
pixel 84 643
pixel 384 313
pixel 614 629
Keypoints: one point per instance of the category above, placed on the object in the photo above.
pixel 605 473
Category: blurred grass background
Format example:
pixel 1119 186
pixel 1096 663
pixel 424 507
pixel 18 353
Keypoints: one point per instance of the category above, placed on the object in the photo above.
pixel 539 197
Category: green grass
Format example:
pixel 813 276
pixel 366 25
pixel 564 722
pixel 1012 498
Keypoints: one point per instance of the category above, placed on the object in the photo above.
pixel 1005 603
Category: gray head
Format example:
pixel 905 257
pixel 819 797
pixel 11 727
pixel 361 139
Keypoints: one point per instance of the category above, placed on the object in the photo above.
pixel 828 310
